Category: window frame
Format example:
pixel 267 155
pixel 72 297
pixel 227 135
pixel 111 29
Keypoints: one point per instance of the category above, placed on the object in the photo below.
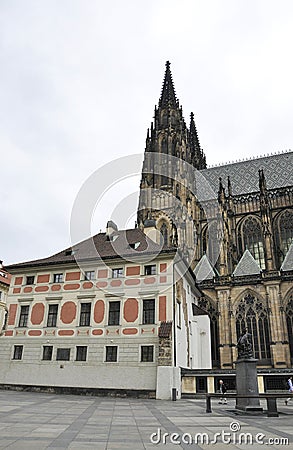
pixel 23 317
pixel 30 280
pixel 59 350
pixel 85 316
pixel 146 301
pixel 56 277
pixel 83 350
pixel 51 353
pixel 16 348
pixel 108 347
pixel 91 277
pixel 151 268
pixel 117 272
pixel 142 349
pixel 250 236
pixel 52 316
pixel 110 313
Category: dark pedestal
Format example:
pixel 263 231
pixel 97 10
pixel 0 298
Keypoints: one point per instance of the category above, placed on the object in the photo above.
pixel 246 384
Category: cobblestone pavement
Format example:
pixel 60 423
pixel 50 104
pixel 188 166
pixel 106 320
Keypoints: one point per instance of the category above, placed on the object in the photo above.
pixel 47 421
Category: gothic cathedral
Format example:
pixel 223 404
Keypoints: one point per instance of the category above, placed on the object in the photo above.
pixel 234 225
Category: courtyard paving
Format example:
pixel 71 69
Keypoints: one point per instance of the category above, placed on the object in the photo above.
pixel 46 421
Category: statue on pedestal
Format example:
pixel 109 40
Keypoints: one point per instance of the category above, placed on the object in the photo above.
pixel 244 346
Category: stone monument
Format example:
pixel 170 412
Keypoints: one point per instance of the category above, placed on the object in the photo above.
pixel 246 377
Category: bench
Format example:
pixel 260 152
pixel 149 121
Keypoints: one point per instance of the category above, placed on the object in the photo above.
pixel 272 410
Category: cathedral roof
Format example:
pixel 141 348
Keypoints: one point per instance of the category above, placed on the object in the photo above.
pixel 204 270
pixel 244 176
pixel 122 243
pixel 246 266
pixel 288 261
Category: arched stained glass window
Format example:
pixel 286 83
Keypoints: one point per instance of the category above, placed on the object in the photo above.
pixel 285 233
pixel 206 304
pixel 210 242
pixel 289 320
pixel 164 146
pixel 250 237
pixel 252 315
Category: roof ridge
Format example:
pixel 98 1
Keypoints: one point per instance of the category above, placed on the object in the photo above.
pixel 250 158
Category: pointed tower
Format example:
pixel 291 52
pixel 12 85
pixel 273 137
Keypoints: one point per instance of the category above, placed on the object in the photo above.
pixel 266 218
pixel 169 135
pixel 197 156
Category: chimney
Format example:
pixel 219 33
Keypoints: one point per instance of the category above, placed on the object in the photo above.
pixel 111 228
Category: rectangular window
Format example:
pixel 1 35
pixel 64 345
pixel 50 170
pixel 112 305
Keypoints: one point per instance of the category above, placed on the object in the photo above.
pixel 0 294
pixel 30 279
pixel 150 270
pixel 81 353
pixel 17 352
pixel 47 352
pixel 89 275
pixel 147 353
pixel 114 313
pixel 23 317
pixel 148 312
pixel 58 278
pixel 52 316
pixel 85 315
pixel 63 354
pixel 111 353
pixel 117 273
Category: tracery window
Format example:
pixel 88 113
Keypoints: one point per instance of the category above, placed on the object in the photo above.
pixel 210 242
pixel 214 328
pixel 285 233
pixel 252 315
pixel 164 146
pixel 289 320
pixel 250 237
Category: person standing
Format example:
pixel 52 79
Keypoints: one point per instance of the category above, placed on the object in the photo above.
pixel 223 390
pixel 290 390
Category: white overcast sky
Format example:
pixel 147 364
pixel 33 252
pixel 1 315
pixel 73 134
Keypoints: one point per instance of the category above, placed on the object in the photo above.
pixel 79 80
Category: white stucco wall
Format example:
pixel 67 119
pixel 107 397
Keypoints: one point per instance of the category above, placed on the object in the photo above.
pixel 168 378
pixel 195 330
pixel 128 373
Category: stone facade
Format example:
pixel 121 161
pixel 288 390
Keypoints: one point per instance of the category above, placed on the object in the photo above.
pixel 216 215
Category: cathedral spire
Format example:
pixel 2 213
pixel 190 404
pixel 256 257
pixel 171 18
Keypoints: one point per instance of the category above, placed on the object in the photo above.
pixel 197 155
pixel 168 95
